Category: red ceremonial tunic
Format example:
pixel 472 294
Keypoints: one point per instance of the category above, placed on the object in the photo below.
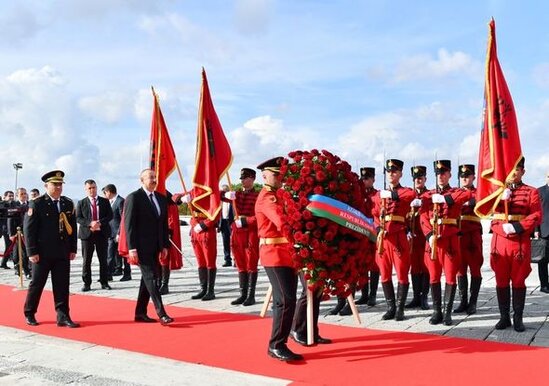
pixel 396 251
pixel 417 263
pixel 510 254
pixel 273 250
pixel 448 255
pixel 245 241
pixel 471 237
pixel 204 243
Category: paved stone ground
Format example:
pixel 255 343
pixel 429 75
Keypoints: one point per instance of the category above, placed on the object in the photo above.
pixel 16 346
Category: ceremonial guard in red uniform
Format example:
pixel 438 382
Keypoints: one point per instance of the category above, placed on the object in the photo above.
pixel 515 218
pixel 471 245
pixel 204 242
pixel 418 269
pixel 369 291
pixel 274 252
pixel 244 238
pixel 440 211
pixel 390 210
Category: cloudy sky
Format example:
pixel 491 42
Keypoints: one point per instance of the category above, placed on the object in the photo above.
pixel 360 78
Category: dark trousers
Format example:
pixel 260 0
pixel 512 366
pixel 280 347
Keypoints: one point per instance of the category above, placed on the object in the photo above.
pixel 115 262
pixel 24 258
pixel 60 275
pixel 96 242
pixel 542 267
pixel 225 230
pixel 284 283
pixel 7 243
pixel 300 318
pixel 149 291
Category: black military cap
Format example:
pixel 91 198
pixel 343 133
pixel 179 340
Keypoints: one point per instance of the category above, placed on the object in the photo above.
pixel 247 172
pixel 393 165
pixel 54 176
pixel 418 171
pixel 442 166
pixel 521 163
pixel 466 170
pixel 272 164
pixel 366 173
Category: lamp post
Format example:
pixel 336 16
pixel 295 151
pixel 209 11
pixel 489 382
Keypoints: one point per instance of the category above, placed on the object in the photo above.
pixel 17 166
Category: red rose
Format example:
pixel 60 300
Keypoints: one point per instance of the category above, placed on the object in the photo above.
pixel 318 190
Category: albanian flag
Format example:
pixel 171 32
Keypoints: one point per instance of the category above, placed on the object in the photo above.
pixel 500 149
pixel 213 156
pixel 162 155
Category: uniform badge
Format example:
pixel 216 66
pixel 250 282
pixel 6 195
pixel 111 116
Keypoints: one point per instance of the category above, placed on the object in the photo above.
pixel 464 169
pixel 29 212
pixel 416 170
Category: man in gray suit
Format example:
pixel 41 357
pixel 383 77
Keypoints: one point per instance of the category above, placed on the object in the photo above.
pixel 543 232
pixel 118 266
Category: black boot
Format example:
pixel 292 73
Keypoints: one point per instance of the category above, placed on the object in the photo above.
pixel 504 303
pixel 475 288
pixel 210 295
pixel 424 291
pixel 436 296
pixel 243 284
pixel 364 296
pixel 374 281
pixel 346 310
pixel 462 286
pixel 519 296
pixel 203 278
pixel 4 263
pixel 250 300
pixel 164 290
pixel 339 305
pixel 389 292
pixel 402 292
pixel 449 295
pixel 416 288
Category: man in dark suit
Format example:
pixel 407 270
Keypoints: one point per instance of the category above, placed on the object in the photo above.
pixel 16 220
pixel 543 232
pixel 146 226
pixel 117 265
pixel 7 202
pixel 50 232
pixel 93 214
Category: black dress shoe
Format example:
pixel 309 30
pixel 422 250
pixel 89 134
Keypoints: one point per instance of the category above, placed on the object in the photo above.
pixel 86 288
pixel 545 290
pixel 321 340
pixel 284 354
pixel 298 339
pixel 31 320
pixel 143 319
pixel 117 272
pixel 106 286
pixel 4 266
pixel 227 264
pixel 67 322
pixel 125 278
pixel 165 320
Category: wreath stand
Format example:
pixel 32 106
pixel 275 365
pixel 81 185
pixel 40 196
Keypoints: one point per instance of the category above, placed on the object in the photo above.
pixel 310 332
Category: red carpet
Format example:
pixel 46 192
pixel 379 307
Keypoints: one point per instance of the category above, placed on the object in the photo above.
pixel 238 342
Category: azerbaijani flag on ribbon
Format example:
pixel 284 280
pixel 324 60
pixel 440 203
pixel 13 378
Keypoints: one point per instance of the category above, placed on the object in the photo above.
pixel 342 214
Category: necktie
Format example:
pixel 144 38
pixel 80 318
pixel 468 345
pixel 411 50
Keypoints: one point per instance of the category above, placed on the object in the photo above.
pixel 94 209
pixel 154 205
pixel 56 204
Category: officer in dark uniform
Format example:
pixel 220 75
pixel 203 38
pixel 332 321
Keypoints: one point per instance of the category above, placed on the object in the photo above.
pixel 50 231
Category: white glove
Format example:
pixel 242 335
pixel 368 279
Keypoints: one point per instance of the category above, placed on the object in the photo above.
pixel 430 242
pixel 117 238
pixel 416 203
pixel 197 228
pixel 438 199
pixel 385 194
pixel 230 195
pixel 409 236
pixel 186 198
pixel 238 223
pixel 506 194
pixel 508 228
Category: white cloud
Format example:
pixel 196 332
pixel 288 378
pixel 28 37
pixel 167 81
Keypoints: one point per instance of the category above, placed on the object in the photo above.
pixel 445 64
pixel 252 16
pixel 109 107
